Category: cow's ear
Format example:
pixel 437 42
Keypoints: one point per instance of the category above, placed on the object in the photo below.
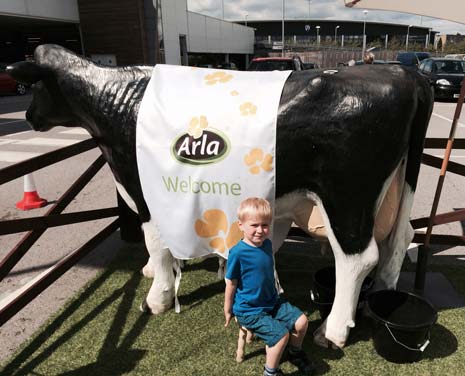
pixel 27 72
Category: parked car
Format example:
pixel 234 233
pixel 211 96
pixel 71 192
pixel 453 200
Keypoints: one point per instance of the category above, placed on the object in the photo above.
pixel 275 63
pixel 412 59
pixel 310 66
pixel 444 75
pixel 9 86
pixel 230 66
pixel 455 56
pixel 361 62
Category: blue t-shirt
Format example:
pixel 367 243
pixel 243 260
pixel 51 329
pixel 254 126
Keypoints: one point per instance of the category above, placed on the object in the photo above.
pixel 253 268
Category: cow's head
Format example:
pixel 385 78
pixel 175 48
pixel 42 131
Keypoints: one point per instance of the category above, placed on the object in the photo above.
pixel 49 107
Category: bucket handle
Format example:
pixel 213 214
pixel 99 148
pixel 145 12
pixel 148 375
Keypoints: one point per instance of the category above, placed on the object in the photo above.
pixel 422 347
pixel 312 296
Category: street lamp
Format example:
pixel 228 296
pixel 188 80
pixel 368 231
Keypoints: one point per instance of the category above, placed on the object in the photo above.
pixel 335 34
pixel 364 45
pixel 282 33
pixel 406 39
pixel 317 35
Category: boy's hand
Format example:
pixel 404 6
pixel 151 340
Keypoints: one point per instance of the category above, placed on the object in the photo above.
pixel 228 316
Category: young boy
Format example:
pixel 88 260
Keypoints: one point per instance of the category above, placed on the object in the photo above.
pixel 251 294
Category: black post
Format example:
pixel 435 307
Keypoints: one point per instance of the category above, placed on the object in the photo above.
pixel 420 274
pixel 130 225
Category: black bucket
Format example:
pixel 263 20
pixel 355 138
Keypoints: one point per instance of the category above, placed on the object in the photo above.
pixel 324 290
pixel 401 324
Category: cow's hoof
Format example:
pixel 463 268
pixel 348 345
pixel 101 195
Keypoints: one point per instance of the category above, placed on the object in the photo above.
pixel 334 342
pixel 324 342
pixel 154 309
pixel 320 339
pixel 147 271
pixel 144 307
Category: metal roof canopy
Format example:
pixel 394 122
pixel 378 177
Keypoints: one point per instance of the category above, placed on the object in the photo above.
pixel 450 10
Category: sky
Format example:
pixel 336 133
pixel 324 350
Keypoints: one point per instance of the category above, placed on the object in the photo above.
pixel 319 9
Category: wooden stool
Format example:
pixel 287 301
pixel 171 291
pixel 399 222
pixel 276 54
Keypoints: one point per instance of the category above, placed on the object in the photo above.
pixel 244 336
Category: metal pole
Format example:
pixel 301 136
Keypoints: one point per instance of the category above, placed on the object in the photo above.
pixel 222 8
pixel 364 36
pixel 406 39
pixel 335 34
pixel 309 1
pixel 282 30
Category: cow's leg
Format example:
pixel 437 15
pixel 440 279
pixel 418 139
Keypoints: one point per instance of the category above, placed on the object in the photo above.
pixel 393 248
pixel 161 293
pixel 351 270
pixel 281 228
pixel 148 269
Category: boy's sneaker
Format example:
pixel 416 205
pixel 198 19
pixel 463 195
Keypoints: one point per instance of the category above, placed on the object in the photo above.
pixel 277 373
pixel 301 361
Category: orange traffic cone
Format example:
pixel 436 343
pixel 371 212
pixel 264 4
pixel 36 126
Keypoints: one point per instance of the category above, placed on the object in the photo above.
pixel 31 199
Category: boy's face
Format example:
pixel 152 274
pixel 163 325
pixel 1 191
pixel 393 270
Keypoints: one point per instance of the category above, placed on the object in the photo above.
pixel 256 230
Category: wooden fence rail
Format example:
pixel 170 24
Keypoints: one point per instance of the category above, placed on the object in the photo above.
pixel 36 226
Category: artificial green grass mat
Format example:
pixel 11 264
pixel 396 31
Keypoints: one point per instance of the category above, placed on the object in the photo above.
pixel 102 332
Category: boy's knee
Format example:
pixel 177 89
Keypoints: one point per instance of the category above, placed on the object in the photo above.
pixel 301 324
pixel 284 339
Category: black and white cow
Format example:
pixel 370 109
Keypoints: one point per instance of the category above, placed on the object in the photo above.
pixel 348 153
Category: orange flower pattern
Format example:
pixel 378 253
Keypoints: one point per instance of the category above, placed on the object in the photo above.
pixel 215 225
pixel 256 160
pixel 247 109
pixel 196 126
pixel 217 77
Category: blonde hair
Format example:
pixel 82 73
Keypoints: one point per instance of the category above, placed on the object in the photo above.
pixel 254 206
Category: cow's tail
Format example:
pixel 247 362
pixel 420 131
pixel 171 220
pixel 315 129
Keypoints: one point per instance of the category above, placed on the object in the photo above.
pixel 418 130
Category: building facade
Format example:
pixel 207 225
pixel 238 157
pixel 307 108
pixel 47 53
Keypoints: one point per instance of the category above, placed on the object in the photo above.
pixel 120 32
pixel 344 32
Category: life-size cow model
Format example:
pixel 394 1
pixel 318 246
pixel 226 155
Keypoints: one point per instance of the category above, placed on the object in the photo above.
pixel 348 151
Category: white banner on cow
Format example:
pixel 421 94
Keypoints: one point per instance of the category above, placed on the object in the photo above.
pixel 206 141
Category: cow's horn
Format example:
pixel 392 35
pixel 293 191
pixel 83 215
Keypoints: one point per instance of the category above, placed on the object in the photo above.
pixel 27 72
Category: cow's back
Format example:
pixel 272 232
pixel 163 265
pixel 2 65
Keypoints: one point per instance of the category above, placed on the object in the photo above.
pixel 341 135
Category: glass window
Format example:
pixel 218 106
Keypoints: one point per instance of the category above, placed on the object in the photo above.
pixel 449 66
pixel 428 66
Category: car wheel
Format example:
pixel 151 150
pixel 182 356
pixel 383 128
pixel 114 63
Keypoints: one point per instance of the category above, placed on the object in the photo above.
pixel 20 89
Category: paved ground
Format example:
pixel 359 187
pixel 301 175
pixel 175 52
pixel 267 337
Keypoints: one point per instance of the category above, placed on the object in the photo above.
pixel 18 143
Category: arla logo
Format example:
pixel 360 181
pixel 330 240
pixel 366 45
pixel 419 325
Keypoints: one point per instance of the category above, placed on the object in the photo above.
pixel 211 147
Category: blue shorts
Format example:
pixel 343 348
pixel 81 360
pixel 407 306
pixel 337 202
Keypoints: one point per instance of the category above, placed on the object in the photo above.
pixel 272 326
